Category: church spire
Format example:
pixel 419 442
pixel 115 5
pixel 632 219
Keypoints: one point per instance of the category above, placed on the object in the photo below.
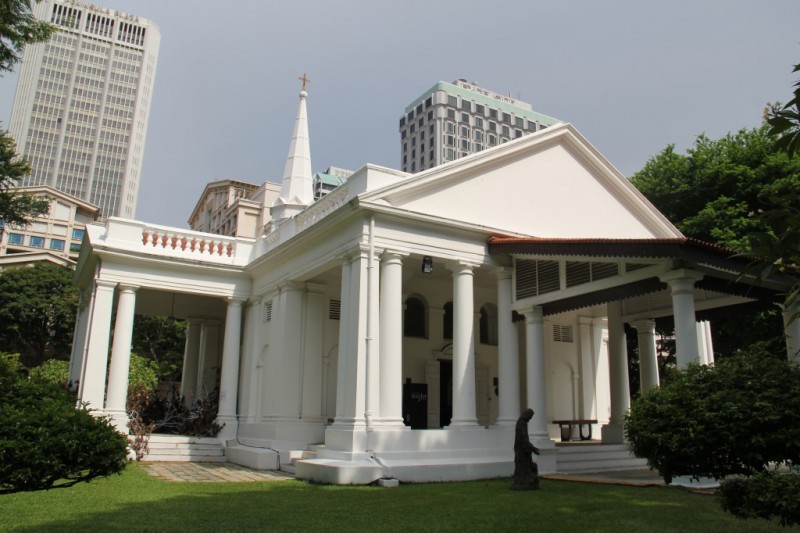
pixel 297 190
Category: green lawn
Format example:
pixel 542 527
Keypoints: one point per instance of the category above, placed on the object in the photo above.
pixel 136 502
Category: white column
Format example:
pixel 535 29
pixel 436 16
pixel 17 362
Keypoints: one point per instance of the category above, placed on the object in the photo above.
pixel 587 369
pixel 648 361
pixel 372 406
pixel 536 385
pixel 229 377
pixel 681 283
pixel 705 344
pixel 190 356
pixel 311 380
pixel 791 324
pixel 76 360
pixel 464 407
pixel 344 331
pixel 391 339
pixel 93 383
pixel 351 381
pixel 618 370
pixel 202 361
pixel 507 354
pixel 121 358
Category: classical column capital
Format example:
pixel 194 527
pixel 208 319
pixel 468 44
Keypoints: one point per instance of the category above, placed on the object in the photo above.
pixel 503 272
pixel 393 254
pixel 533 314
pixel 644 325
pixel 681 279
pixel 126 287
pixel 105 284
pixel 461 267
pixel 235 301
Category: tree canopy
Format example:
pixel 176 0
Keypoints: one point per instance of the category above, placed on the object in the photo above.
pixel 714 190
pixel 37 317
pixel 16 209
pixel 18 28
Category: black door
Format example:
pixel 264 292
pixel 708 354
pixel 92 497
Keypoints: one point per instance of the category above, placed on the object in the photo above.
pixel 445 392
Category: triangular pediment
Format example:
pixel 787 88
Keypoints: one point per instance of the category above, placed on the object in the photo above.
pixel 551 183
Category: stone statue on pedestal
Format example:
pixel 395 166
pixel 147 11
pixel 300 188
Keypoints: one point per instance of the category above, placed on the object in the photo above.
pixel 526 471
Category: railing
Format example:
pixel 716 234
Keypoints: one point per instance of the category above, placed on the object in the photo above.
pixel 139 236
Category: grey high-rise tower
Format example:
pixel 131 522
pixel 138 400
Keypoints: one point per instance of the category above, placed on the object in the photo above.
pixel 83 101
pixel 453 120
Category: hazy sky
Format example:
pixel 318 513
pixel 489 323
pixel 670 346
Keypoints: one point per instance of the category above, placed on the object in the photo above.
pixel 632 76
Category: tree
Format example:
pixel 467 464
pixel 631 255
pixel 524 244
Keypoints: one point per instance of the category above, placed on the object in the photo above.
pixel 37 317
pixel 46 441
pixel 713 193
pixel 161 339
pixel 18 28
pixel 16 209
pixel 734 418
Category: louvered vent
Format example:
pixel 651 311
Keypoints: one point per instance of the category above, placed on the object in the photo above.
pixel 562 333
pixel 268 312
pixel 335 310
pixel 548 276
pixel 536 277
pixel 630 267
pixel 525 271
pixel 577 273
pixel 604 270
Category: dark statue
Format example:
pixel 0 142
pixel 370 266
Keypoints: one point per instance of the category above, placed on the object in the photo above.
pixel 526 472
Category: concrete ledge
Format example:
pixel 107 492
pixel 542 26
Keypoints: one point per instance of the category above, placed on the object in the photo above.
pixel 255 458
pixel 335 472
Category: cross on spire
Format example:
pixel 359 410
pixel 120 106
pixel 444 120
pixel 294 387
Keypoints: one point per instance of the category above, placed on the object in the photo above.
pixel 304 79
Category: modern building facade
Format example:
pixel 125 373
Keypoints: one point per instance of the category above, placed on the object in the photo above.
pixel 453 120
pixel 82 104
pixel 55 236
pixel 393 330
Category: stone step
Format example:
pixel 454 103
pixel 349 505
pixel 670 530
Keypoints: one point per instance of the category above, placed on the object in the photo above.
pixel 184 449
pixel 597 458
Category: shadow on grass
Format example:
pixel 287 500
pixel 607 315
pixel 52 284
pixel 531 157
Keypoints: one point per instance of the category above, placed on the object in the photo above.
pixel 135 502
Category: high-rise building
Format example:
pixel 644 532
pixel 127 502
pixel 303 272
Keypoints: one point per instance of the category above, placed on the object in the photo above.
pixel 83 101
pixel 452 120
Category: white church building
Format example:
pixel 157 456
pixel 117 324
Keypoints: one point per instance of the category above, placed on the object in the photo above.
pixel 397 327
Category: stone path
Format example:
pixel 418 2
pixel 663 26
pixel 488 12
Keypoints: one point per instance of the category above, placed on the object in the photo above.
pixel 210 472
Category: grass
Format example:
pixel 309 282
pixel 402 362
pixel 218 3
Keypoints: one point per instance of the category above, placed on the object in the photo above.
pixel 134 501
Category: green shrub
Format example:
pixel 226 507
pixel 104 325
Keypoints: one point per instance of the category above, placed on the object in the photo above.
pixel 766 495
pixel 52 371
pixel 45 440
pixel 715 421
pixel 143 373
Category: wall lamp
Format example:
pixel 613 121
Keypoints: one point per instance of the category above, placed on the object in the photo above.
pixel 427 264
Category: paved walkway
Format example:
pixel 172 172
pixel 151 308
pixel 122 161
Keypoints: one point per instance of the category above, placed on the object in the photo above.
pixel 210 472
pixel 216 472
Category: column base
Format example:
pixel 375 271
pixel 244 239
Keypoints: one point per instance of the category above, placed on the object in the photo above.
pixel 506 422
pixel 230 429
pixel 612 434
pixel 463 423
pixel 119 419
pixel 391 423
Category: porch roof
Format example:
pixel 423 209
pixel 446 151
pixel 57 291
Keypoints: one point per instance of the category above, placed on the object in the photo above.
pixel 725 270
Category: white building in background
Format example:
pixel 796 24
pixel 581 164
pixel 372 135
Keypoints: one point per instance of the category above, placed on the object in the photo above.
pixel 453 120
pixel 397 327
pixel 83 101
pixel 55 236
pixel 234 208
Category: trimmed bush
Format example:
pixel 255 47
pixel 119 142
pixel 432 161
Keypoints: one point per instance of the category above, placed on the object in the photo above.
pixel 733 418
pixel 45 440
pixel 52 371
pixel 767 495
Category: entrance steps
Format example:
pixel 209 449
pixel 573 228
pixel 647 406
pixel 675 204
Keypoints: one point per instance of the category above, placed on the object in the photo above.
pixel 298 455
pixel 587 457
pixel 184 449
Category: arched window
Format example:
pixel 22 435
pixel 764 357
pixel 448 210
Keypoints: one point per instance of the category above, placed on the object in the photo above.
pixel 447 318
pixel 488 325
pixel 415 318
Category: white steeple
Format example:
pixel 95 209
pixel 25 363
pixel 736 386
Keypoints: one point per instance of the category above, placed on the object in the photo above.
pixel 297 189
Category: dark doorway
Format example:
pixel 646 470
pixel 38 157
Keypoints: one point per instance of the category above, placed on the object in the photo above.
pixel 445 392
pixel 415 405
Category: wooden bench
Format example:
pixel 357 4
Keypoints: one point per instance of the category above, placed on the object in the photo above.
pixel 567 425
